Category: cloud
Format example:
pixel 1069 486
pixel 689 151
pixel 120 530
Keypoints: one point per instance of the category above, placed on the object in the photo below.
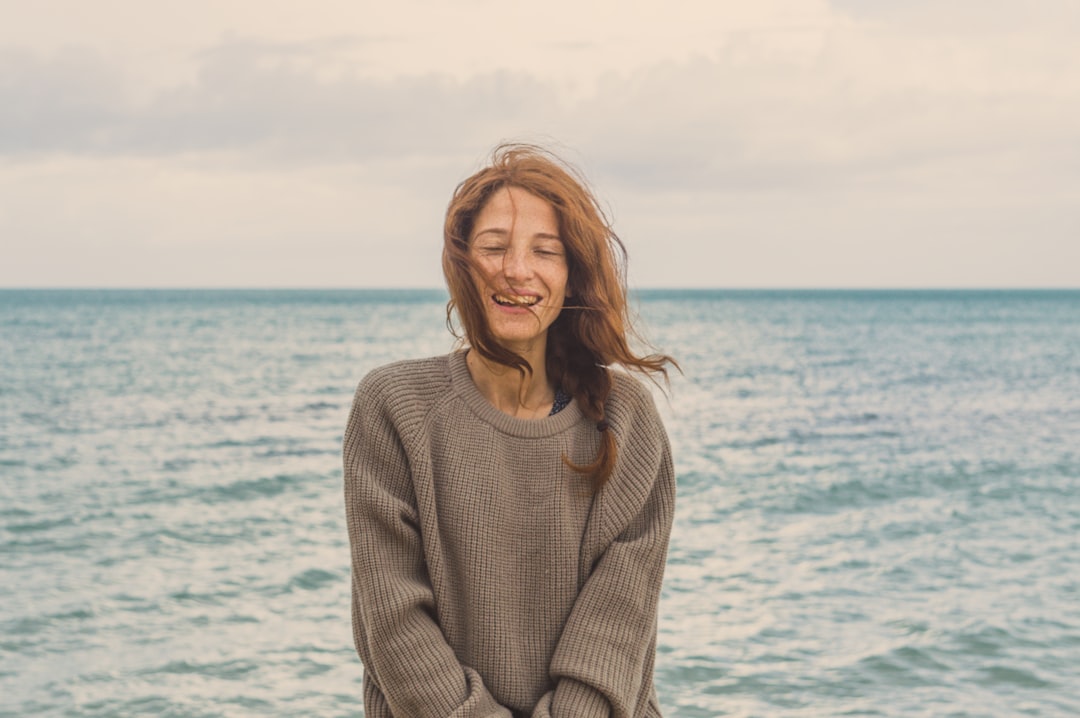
pixel 59 102
pixel 967 17
pixel 263 101
pixel 844 106
pixel 833 149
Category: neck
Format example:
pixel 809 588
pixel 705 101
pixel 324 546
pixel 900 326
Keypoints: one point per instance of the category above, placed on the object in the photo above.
pixel 528 397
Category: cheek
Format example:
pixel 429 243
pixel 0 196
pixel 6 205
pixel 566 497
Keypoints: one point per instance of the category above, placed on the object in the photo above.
pixel 562 281
pixel 484 288
pixel 481 271
pixel 486 268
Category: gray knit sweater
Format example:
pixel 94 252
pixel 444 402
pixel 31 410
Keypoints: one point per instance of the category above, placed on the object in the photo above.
pixel 487 579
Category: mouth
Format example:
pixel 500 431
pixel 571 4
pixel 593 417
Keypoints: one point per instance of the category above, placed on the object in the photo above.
pixel 515 300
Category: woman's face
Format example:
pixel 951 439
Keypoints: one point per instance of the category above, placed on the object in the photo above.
pixel 515 242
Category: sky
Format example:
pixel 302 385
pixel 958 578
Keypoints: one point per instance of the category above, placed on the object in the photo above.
pixel 774 143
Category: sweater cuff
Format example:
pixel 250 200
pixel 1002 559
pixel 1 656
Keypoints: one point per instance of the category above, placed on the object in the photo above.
pixel 574 698
pixel 543 708
pixel 479 703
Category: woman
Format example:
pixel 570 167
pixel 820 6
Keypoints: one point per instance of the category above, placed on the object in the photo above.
pixel 509 504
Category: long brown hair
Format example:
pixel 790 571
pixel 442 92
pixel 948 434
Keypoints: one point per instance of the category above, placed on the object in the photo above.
pixel 592 330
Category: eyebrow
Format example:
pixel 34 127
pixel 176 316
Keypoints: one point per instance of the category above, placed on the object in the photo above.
pixel 504 233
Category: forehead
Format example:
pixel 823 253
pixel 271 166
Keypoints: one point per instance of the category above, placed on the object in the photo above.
pixel 510 207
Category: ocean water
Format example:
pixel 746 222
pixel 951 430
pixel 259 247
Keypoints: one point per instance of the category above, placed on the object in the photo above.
pixel 878 515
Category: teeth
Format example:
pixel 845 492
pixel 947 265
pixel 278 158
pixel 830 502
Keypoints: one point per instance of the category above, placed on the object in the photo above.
pixel 520 300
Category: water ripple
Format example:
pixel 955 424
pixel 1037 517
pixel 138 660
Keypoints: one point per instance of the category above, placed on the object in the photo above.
pixel 877 516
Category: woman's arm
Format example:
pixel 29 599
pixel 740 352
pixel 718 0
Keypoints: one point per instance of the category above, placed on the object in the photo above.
pixel 602 666
pixel 400 643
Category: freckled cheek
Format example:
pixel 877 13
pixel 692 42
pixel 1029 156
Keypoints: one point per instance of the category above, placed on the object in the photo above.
pixel 482 274
pixel 489 267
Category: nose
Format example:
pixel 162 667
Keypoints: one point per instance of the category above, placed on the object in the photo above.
pixel 516 264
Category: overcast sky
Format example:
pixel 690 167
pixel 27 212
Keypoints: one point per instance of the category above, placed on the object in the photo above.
pixel 773 143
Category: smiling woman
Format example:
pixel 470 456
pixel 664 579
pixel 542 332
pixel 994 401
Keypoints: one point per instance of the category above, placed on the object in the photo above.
pixel 509 505
pixel 521 266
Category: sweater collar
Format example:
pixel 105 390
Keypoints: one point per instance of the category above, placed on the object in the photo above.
pixel 464 387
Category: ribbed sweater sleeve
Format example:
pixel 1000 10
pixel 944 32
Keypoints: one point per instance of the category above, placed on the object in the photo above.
pixel 603 663
pixel 410 669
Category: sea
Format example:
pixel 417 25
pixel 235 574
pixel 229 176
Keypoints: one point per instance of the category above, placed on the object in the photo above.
pixel 878 509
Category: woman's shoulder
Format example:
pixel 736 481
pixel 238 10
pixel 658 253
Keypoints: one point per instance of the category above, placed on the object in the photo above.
pixel 409 370
pixel 630 395
pixel 631 409
pixel 408 381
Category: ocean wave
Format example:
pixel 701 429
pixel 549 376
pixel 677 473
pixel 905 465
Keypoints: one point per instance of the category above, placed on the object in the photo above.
pixel 248 489
pixel 227 670
pixel 314 579
pixel 877 509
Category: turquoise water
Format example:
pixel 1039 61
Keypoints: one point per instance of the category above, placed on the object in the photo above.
pixel 879 502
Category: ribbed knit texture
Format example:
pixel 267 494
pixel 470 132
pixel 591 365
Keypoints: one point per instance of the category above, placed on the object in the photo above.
pixel 488 579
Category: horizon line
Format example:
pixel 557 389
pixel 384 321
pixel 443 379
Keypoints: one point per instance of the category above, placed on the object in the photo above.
pixel 631 290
